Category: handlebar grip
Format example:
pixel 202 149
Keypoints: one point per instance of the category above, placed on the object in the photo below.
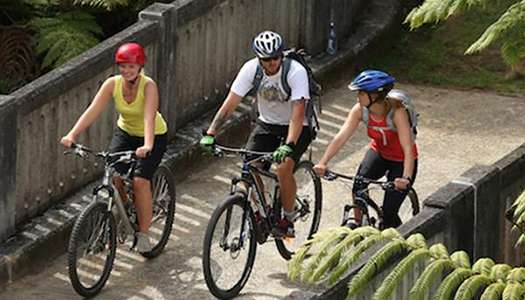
pixel 329 175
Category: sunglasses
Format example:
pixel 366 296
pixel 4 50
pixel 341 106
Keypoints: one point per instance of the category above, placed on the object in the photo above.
pixel 267 59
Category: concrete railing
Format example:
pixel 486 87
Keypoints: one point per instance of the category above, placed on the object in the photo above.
pixel 466 214
pixel 194 48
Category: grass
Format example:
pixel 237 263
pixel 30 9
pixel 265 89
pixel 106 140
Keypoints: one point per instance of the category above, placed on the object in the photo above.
pixel 434 55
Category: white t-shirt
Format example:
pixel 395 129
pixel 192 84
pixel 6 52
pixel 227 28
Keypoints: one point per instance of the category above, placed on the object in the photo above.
pixel 271 97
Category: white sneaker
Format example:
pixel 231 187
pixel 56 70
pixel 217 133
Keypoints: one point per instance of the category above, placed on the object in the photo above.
pixel 143 243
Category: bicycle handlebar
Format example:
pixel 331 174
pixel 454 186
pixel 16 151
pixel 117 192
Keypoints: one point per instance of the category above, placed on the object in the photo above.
pixel 219 150
pixel 123 156
pixel 331 176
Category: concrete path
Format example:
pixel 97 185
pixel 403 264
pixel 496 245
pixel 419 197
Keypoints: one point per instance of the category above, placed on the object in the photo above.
pixel 457 130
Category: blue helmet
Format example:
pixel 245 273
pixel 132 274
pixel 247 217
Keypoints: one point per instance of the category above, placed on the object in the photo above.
pixel 372 81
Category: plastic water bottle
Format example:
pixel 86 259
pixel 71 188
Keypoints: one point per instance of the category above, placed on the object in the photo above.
pixel 331 47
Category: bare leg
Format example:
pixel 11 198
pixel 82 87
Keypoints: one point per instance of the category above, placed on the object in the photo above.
pixel 287 184
pixel 119 184
pixel 143 202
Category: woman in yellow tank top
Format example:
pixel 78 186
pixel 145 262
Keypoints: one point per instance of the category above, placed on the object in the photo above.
pixel 140 127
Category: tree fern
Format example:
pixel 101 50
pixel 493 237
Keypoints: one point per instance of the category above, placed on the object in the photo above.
pixel 460 259
pixel 425 280
pixel 376 262
pixel 493 291
pixel 106 4
pixel 516 275
pixel 513 291
pixel 469 288
pixel 397 274
pixel 499 272
pixel 483 266
pixel 335 255
pixel 352 256
pixel 438 251
pixel 451 283
pixel 65 36
pixel 326 244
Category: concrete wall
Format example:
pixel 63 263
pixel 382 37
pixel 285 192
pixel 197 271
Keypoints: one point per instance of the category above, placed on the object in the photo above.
pixel 194 48
pixel 466 214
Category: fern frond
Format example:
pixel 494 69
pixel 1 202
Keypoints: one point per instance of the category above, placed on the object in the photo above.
pixel 451 283
pixel 324 247
pixel 438 251
pixel 434 11
pixel 460 259
pixel 334 257
pixel 106 4
pixel 469 288
pixel 483 266
pixel 520 241
pixel 493 291
pixel 416 241
pixel 508 21
pixel 513 291
pixel 395 277
pixel 499 272
pixel 516 275
pixel 425 280
pixel 376 262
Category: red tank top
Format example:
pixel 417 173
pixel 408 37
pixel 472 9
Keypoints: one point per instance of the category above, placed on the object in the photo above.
pixel 386 141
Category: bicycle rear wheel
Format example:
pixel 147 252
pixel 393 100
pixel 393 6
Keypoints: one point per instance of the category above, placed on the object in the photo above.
pixel 308 202
pixel 229 247
pixel 410 206
pixel 163 186
pixel 91 250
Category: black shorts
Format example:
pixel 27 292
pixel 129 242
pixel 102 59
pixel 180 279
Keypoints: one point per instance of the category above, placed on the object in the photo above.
pixel 145 168
pixel 268 137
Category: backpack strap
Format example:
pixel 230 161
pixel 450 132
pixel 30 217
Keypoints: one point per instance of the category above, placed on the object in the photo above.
pixel 259 73
pixel 287 62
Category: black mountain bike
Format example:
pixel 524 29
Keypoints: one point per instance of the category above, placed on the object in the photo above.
pixel 250 215
pixel 359 213
pixel 107 219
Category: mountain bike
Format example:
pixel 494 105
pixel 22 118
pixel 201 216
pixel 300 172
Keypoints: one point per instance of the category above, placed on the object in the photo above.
pixel 249 215
pixel 108 220
pixel 364 210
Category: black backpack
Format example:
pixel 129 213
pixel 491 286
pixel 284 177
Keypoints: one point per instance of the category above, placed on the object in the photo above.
pixel 314 104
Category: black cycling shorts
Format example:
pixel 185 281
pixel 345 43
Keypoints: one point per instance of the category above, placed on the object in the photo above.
pixel 122 141
pixel 268 137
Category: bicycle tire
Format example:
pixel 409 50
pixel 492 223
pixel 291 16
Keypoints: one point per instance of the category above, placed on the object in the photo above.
pixel 313 184
pixel 414 201
pixel 80 228
pixel 231 202
pixel 163 178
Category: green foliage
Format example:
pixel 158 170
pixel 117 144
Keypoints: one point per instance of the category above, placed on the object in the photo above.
pixel 431 273
pixel 65 36
pixel 516 275
pixel 396 275
pixel 451 283
pixel 469 288
pixel 483 266
pixel 493 291
pixel 460 259
pixel 17 57
pixel 513 291
pixel 499 272
pixel 106 4
pixel 518 216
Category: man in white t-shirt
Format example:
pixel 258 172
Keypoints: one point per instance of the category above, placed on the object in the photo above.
pixel 281 126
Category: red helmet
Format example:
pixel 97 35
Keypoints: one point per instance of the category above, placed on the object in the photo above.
pixel 131 53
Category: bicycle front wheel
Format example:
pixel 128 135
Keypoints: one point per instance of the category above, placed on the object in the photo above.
pixel 229 247
pixel 163 186
pixel 410 206
pixel 308 202
pixel 91 250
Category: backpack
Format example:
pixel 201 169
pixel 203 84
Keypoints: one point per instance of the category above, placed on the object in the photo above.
pixel 406 101
pixel 313 106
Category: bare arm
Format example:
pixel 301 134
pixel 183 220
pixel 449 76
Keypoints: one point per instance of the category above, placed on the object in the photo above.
pixel 150 112
pixel 227 108
pixel 403 129
pixel 347 131
pixel 296 121
pixel 91 113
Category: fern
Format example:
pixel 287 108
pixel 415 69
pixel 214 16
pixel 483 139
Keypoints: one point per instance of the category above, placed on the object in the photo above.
pixel 499 272
pixel 516 275
pixel 493 291
pixel 106 4
pixel 468 289
pixel 368 242
pixel 424 282
pixel 335 256
pixel 513 291
pixel 451 283
pixel 460 259
pixel 483 266
pixel 434 11
pixel 65 36
pixel 438 251
pixel 395 277
pixel 17 58
pixel 376 262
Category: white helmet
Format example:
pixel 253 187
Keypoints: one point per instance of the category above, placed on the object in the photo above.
pixel 268 44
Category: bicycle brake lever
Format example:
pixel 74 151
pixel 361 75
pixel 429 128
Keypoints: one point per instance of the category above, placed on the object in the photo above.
pixel 329 176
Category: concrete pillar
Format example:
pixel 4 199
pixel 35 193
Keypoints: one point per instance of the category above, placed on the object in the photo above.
pixel 166 16
pixel 8 136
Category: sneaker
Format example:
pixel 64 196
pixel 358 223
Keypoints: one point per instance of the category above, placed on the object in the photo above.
pixel 143 243
pixel 284 229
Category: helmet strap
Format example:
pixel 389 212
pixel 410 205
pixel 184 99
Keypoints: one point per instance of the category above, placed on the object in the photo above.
pixel 369 100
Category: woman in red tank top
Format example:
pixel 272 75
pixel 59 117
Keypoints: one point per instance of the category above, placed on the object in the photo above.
pixel 392 152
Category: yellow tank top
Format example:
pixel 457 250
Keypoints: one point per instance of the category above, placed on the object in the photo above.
pixel 131 115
